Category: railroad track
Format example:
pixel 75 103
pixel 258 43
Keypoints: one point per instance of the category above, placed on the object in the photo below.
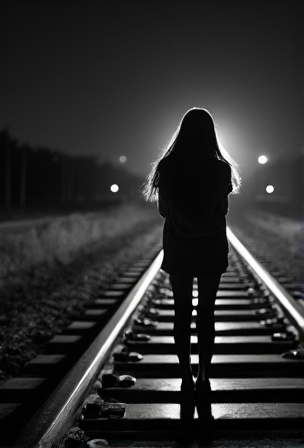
pixel 125 386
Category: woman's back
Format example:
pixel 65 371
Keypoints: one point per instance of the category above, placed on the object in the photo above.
pixel 191 182
pixel 196 196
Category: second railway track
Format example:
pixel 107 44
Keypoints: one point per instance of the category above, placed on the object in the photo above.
pixel 256 376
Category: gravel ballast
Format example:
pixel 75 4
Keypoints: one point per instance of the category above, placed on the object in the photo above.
pixel 39 303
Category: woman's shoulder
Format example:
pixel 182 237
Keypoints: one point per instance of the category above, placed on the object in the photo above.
pixel 167 165
pixel 223 164
pixel 225 174
pixel 163 169
pixel 162 163
pixel 224 167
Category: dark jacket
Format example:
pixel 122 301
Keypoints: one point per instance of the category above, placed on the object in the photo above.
pixel 194 236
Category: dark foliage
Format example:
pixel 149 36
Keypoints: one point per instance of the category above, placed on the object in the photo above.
pixel 43 177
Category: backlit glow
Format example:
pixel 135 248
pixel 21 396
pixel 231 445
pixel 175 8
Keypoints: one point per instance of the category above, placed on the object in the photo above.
pixel 114 188
pixel 263 159
pixel 270 189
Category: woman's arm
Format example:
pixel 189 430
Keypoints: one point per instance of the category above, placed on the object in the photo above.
pixel 163 207
pixel 225 205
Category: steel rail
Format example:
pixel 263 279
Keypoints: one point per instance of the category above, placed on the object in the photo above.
pixel 52 420
pixel 48 425
pixel 293 310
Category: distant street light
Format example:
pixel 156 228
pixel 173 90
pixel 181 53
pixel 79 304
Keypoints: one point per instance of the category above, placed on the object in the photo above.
pixel 114 188
pixel 263 159
pixel 270 189
pixel 122 159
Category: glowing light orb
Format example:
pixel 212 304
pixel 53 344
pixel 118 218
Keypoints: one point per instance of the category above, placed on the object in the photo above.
pixel 263 159
pixel 270 189
pixel 114 188
pixel 122 159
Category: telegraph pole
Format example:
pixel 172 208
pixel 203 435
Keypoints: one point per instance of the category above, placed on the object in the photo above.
pixel 23 176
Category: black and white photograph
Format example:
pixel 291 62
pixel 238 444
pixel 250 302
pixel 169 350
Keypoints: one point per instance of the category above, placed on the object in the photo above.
pixel 151 223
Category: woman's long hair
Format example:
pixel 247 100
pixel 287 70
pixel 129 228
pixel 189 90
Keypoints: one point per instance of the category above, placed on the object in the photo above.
pixel 191 157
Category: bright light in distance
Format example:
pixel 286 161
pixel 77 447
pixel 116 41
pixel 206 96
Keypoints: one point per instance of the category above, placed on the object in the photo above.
pixel 122 159
pixel 270 189
pixel 263 159
pixel 114 188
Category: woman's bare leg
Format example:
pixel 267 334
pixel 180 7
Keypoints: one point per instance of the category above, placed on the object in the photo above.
pixel 207 289
pixel 182 292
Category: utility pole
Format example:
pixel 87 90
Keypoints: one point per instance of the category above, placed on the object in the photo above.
pixel 69 181
pixel 23 176
pixel 8 195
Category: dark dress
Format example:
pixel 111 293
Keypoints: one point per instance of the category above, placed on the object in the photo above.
pixel 194 236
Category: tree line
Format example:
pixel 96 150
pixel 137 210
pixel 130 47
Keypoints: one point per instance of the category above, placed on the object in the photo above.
pixel 43 177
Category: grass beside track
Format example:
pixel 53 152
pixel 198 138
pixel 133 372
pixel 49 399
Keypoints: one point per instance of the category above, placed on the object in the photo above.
pixel 70 266
pixel 60 240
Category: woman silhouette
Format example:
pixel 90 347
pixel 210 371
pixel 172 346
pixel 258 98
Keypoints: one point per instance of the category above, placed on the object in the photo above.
pixel 191 182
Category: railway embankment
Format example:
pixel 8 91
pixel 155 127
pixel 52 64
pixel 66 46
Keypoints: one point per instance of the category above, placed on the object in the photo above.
pixel 51 274
pixel 279 237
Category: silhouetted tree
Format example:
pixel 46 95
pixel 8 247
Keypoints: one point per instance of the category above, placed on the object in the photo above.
pixel 42 177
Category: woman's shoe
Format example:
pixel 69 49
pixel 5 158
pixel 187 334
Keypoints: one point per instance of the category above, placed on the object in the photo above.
pixel 203 400
pixel 204 412
pixel 187 406
pixel 187 400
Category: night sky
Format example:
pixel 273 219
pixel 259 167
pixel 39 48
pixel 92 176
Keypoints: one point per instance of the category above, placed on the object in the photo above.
pixel 114 78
